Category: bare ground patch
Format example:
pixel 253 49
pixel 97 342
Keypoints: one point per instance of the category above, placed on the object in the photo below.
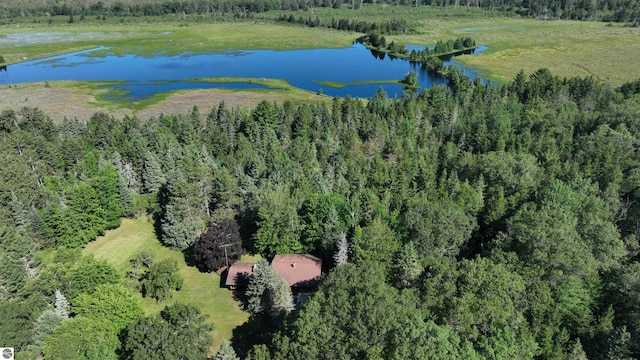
pixel 56 101
pixel 183 101
pixel 63 99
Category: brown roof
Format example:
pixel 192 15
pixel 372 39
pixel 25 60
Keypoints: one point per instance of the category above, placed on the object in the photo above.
pixel 298 269
pixel 239 273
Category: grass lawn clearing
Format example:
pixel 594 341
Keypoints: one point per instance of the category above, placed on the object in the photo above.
pixel 200 289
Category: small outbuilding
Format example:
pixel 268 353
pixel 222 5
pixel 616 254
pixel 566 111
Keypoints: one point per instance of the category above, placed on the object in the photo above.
pixel 301 271
pixel 238 275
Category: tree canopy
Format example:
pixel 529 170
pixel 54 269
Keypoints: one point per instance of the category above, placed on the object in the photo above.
pixel 478 220
pixel 179 330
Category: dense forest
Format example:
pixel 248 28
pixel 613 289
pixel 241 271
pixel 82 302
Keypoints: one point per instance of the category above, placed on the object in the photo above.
pixel 608 10
pixel 479 221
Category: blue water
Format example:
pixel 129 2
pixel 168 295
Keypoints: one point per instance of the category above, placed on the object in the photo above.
pixel 145 76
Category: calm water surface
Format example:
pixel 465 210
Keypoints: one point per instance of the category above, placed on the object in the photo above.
pixel 145 76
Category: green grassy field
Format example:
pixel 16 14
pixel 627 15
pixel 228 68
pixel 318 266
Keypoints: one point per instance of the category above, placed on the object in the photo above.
pixel 166 38
pixel 567 48
pixel 608 52
pixel 200 289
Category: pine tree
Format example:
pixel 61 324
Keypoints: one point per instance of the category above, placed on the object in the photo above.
pixel 178 228
pixel 21 216
pixel 407 267
pixel 576 352
pixel 152 175
pixel 267 292
pixel 37 225
pixel 125 197
pixel 12 275
pixel 618 344
pixel 258 286
pixel 226 352
pixel 183 219
pixel 62 305
pixel 280 298
pixel 341 256
pixel 126 171
pixel 44 326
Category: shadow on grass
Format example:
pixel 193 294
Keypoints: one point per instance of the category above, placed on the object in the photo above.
pixel 223 279
pixel 259 329
pixel 190 260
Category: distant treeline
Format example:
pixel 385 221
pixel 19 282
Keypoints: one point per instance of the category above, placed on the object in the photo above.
pixel 608 10
pixel 395 26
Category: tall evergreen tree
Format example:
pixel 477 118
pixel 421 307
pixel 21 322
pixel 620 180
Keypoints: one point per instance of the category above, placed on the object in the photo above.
pixel 267 292
pixel 226 352
pixel 407 267
pixel 62 305
pixel 44 326
pixel 278 225
pixel 152 175
pixel 259 283
pixel 182 219
pixel 21 216
pixel 125 197
pixel 280 298
pixel 341 256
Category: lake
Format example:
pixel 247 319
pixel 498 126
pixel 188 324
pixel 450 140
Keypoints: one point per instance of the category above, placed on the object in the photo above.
pixel 312 69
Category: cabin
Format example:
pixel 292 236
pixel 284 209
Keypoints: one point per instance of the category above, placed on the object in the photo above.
pixel 301 271
pixel 238 275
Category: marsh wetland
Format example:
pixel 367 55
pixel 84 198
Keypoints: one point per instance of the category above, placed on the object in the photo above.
pixel 353 70
pixel 141 64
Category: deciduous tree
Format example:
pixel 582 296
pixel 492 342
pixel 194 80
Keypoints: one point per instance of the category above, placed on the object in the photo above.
pixel 82 338
pixel 178 331
pixel 116 305
pixel 219 245
pixel 161 279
